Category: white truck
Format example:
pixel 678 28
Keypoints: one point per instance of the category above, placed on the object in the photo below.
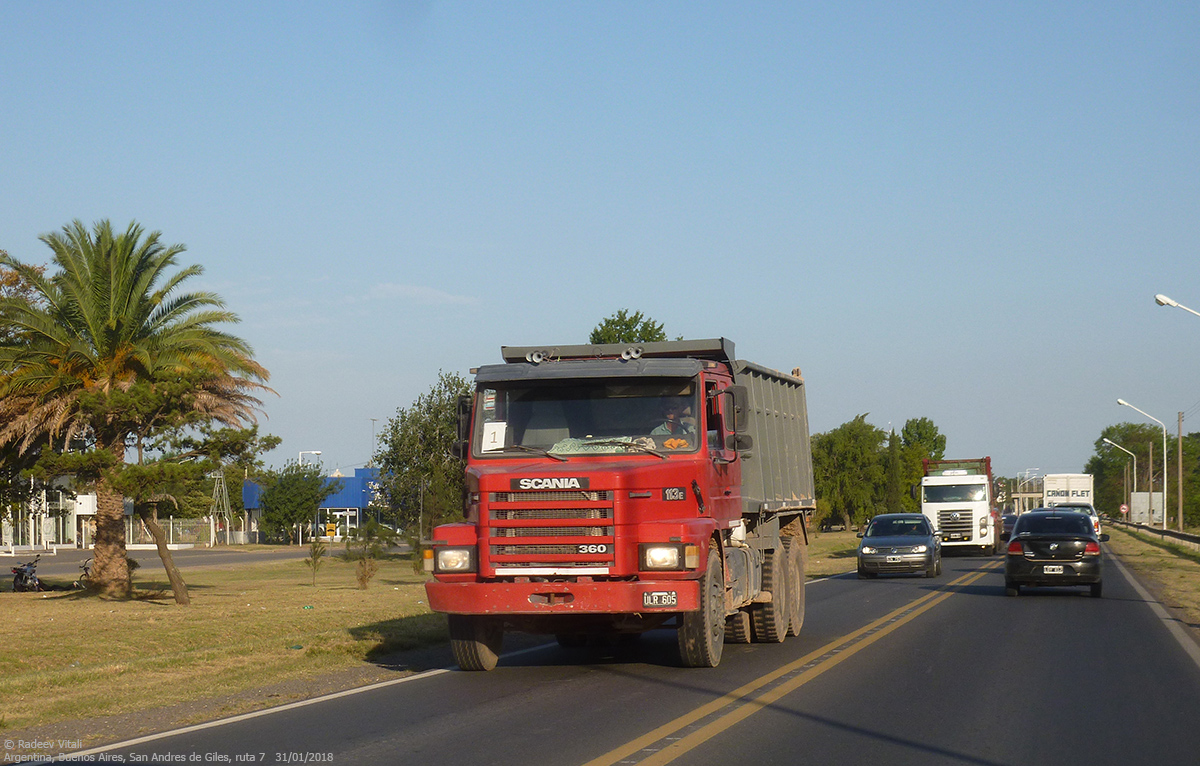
pixel 1059 488
pixel 957 498
pixel 1071 490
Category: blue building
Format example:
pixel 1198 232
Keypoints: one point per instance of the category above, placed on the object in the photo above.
pixel 344 509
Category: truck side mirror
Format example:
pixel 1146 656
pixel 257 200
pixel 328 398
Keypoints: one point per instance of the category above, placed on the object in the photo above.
pixel 740 411
pixel 914 491
pixel 460 447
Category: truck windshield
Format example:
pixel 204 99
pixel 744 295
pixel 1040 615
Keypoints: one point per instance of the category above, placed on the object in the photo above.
pixel 955 493
pixel 586 418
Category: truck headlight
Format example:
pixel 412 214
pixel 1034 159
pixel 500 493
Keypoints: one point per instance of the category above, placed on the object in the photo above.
pixel 669 556
pixel 457 560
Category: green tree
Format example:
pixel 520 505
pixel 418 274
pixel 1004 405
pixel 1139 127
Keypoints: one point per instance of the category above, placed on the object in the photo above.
pixel 922 436
pixel 293 497
pixel 623 327
pixel 848 469
pixel 920 439
pixel 421 479
pixel 1108 468
pixel 893 498
pixel 111 315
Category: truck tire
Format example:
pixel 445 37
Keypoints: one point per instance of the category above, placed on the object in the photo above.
pixel 797 553
pixel 771 619
pixel 475 641
pixel 737 628
pixel 702 633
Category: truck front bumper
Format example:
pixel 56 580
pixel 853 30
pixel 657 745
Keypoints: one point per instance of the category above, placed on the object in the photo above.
pixel 544 598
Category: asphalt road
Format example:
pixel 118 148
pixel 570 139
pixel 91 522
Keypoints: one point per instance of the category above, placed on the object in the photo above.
pixel 888 671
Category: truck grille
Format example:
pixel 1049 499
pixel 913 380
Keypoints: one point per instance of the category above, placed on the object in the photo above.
pixel 551 533
pixel 963 525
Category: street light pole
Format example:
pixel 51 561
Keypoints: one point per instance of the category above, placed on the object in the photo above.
pixel 1163 300
pixel 1127 452
pixel 1124 403
pixel 300 462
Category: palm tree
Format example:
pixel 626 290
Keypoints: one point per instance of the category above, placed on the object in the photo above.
pixel 110 317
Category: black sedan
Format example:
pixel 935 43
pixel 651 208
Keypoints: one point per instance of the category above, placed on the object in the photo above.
pixel 1052 547
pixel 899 542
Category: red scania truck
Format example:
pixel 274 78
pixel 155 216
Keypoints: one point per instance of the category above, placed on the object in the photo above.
pixel 620 488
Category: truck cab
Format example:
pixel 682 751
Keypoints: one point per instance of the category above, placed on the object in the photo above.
pixel 956 497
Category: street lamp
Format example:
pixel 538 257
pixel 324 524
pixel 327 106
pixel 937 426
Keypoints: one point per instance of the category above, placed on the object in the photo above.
pixel 1163 300
pixel 300 461
pixel 1127 452
pixel 1124 403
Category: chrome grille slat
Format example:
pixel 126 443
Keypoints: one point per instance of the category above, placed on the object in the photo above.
pixel 552 532
pixel 535 514
pixel 553 496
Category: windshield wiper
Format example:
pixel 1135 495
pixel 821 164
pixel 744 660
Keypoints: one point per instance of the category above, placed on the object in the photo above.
pixel 634 445
pixel 535 451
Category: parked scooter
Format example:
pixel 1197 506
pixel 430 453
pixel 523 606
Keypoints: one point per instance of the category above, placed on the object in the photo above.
pixel 25 577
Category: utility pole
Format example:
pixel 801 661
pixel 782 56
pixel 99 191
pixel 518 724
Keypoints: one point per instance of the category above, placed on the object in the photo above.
pixel 1179 470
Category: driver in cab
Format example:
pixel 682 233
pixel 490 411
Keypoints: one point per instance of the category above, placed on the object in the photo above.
pixel 676 420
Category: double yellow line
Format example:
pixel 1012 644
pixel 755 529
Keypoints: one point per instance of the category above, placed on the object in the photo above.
pixel 676 738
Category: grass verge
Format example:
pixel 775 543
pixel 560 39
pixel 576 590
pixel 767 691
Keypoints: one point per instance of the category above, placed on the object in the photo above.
pixel 831 553
pixel 69 656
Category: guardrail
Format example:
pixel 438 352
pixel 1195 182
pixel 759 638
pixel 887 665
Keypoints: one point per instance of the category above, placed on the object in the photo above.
pixel 1191 541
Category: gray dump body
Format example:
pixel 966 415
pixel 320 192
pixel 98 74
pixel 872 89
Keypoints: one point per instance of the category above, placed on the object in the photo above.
pixel 777 471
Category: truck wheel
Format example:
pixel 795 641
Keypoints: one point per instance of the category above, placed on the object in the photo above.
pixel 475 641
pixel 702 633
pixel 771 618
pixel 737 628
pixel 797 553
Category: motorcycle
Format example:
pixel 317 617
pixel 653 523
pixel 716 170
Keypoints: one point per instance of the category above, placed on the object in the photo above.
pixel 25 577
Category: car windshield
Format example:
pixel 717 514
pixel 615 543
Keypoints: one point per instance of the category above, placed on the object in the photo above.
pixel 1066 524
pixel 898 528
pixel 586 417
pixel 954 493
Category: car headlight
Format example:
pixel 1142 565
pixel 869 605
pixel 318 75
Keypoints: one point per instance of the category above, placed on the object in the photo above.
pixel 920 548
pixel 669 556
pixel 455 560
pixel 867 549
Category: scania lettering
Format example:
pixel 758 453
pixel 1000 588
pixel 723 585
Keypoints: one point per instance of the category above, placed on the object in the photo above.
pixel 620 488
pixel 550 483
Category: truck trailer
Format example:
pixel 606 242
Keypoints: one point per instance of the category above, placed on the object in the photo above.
pixel 614 489
pixel 1060 488
pixel 957 496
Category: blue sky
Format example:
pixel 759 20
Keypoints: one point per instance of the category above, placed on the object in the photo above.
pixel 959 211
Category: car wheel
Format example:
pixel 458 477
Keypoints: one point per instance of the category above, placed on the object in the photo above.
pixel 939 566
pixel 931 570
pixel 1012 589
pixel 1097 589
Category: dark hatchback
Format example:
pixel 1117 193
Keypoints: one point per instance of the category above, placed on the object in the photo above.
pixel 1055 548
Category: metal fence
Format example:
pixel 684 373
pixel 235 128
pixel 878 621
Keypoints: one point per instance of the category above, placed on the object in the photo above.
pixel 1190 541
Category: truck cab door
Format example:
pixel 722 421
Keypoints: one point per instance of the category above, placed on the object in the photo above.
pixel 724 472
